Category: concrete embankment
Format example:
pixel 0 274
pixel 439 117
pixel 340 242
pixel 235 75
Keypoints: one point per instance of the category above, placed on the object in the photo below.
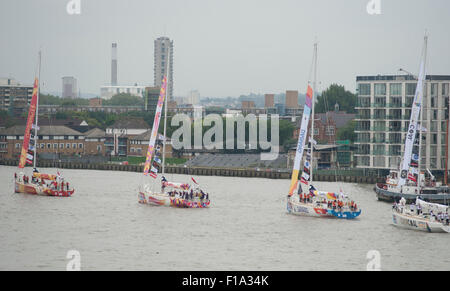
pixel 204 171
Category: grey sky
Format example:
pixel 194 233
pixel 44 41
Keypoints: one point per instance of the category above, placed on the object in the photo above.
pixel 221 47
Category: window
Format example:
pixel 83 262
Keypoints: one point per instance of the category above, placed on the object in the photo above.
pixel 74 145
pixel 80 145
pixel 364 89
pixel 42 145
pixel 396 89
pixel 445 89
pixel 434 89
pixel 61 145
pixel 55 146
pixel 411 89
pixel 380 89
pixel 329 130
pixel 67 145
pixel 17 145
pixel 316 131
pixel 99 148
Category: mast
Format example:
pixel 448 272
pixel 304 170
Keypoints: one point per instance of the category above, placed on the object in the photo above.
pixel 312 109
pixel 165 113
pixel 37 112
pixel 421 107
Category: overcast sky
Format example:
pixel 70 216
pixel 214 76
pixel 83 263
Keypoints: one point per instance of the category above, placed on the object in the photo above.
pixel 221 47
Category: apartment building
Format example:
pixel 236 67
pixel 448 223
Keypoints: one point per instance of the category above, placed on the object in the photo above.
pixel 384 109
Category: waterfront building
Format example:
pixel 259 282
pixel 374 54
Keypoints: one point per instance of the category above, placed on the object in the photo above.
pixel 138 145
pixel 384 110
pixel 59 140
pixel 95 142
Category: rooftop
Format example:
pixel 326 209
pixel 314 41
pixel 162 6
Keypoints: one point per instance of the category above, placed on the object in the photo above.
pixel 43 130
pixel 134 123
pixel 400 78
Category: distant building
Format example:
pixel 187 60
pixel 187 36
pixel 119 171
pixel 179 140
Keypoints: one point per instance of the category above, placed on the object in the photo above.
pixel 194 97
pixel 280 109
pixel 14 97
pixel 151 96
pixel 292 99
pixel 248 104
pixel 69 87
pixel 163 63
pixel 327 126
pixel 95 102
pixel 269 100
pixel 384 110
pixel 107 92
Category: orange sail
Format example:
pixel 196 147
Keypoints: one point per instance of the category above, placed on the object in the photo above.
pixel 30 120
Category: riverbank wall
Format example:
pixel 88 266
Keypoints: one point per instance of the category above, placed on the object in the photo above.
pixel 204 171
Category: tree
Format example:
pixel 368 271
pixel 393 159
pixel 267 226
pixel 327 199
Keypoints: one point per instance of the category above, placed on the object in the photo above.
pixel 347 132
pixel 336 94
pixel 123 99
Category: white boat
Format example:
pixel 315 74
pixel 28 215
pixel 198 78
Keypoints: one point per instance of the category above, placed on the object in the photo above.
pixel 313 202
pixel 422 216
pixel 181 195
pixel 410 181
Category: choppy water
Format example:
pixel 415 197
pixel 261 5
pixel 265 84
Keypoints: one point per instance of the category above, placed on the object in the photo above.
pixel 246 228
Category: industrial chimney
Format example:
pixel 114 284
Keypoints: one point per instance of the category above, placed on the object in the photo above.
pixel 114 64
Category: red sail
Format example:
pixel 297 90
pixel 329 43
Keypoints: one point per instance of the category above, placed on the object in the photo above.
pixel 31 117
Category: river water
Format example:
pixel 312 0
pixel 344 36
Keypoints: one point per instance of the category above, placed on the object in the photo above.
pixel 246 228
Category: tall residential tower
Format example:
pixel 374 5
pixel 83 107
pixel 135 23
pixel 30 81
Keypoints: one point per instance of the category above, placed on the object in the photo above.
pixel 164 57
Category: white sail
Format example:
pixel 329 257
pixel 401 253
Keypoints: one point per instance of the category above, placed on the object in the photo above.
pixel 413 125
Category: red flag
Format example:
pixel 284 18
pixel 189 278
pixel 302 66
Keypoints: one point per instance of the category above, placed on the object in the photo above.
pixel 194 181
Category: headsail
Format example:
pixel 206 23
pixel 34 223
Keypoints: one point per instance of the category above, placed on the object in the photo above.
pixel 154 134
pixel 301 140
pixel 26 155
pixel 413 125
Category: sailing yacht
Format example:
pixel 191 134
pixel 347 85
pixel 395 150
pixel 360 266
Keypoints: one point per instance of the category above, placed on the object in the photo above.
pixel 423 216
pixel 40 183
pixel 410 181
pixel 313 202
pixel 181 195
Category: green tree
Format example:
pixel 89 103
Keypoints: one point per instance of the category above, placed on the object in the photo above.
pixel 347 132
pixel 123 99
pixel 336 94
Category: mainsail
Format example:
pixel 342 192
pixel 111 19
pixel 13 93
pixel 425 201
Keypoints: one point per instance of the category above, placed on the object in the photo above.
pixel 154 134
pixel 27 154
pixel 413 126
pixel 301 140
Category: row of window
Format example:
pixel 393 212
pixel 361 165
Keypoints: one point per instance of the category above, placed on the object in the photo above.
pixel 393 162
pixel 55 146
pixel 395 89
